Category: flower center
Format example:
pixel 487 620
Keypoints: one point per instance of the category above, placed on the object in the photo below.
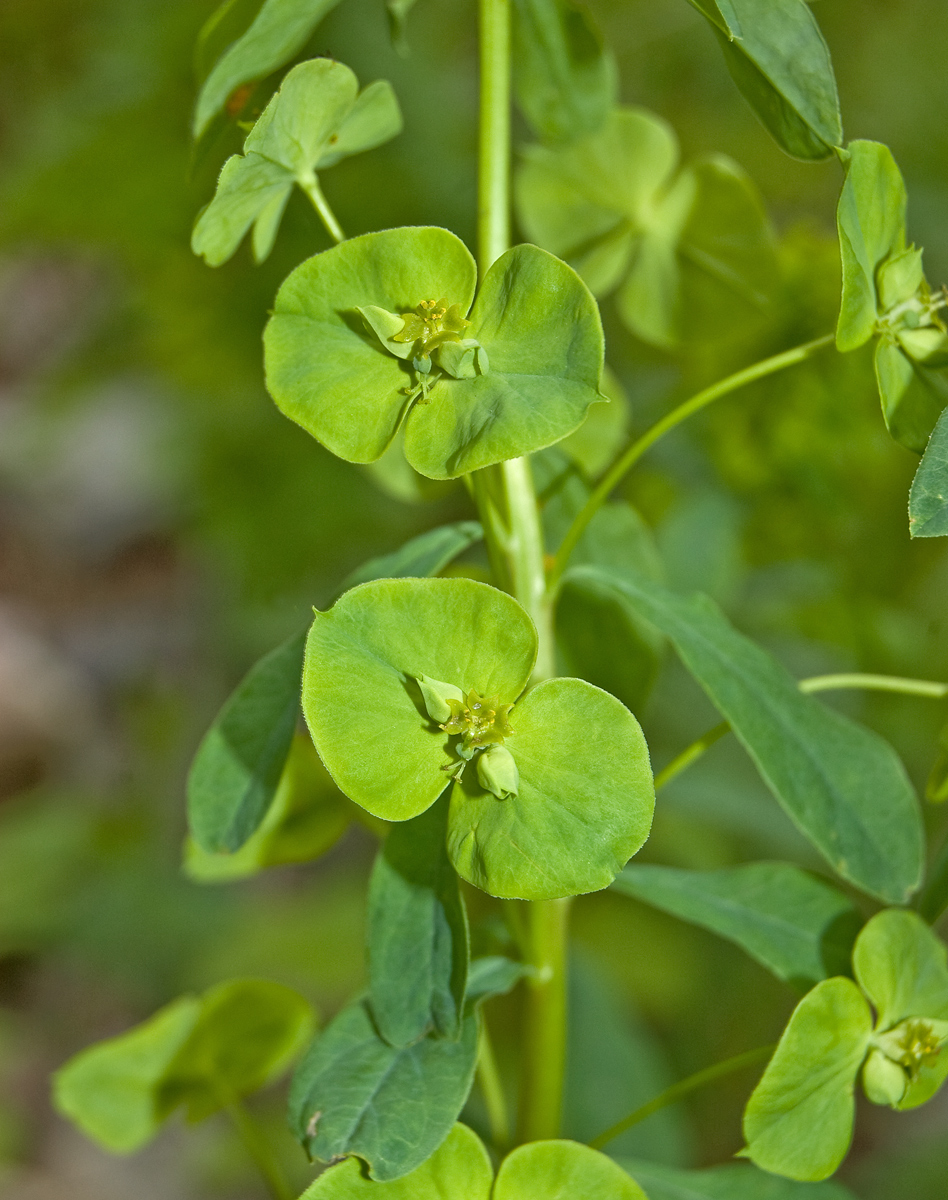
pixel 480 720
pixel 430 325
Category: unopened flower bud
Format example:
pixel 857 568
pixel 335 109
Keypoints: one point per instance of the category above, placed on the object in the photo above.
pixel 498 772
pixel 436 695
pixel 883 1080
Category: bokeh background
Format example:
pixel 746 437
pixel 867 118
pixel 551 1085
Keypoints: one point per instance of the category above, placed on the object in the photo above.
pixel 161 526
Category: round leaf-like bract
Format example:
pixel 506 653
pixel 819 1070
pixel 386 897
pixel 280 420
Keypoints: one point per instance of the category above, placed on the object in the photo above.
pixel 562 1170
pixel 361 698
pixel 902 966
pixel 799 1119
pixel 459 1168
pixel 324 368
pixel 540 327
pixel 584 804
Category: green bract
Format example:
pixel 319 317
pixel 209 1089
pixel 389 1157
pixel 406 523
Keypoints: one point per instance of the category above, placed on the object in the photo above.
pixel 690 251
pixel 380 329
pixel 201 1052
pixel 317 118
pixel 885 293
pixel 393 678
pixel 799 1120
pixel 460 1169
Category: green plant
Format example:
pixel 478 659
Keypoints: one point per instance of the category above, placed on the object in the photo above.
pixel 435 703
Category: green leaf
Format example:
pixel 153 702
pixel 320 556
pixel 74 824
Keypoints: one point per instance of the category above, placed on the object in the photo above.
pixel 353 1093
pixel 792 923
pixel 424 555
pixel 247 1034
pixel 584 806
pixel 871 224
pixel 202 1052
pixel 566 81
pixel 841 783
pixel 541 329
pixel 307 817
pixel 221 29
pixel 928 499
pixel 361 697
pixel 250 189
pixel 418 936
pixel 459 1168
pixel 732 1182
pixel 237 768
pixel 315 119
pixel 799 1120
pixel 690 251
pixel 279 31
pixel 111 1090
pixel 901 966
pixel 777 57
pixel 562 1171
pixel 325 370
pixel 493 975
pixel 912 397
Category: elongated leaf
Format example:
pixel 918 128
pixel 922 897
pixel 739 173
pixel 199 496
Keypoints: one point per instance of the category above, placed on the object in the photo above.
pixel 279 31
pixel 426 554
pixel 732 1182
pixel 308 815
pixel 235 773
pixel 565 80
pixel 418 937
pixel 781 65
pixel 870 219
pixel 562 1170
pixel 492 975
pixel 353 1093
pixel 842 784
pixel 928 500
pixel 792 923
pixel 799 1120
pixel 459 1168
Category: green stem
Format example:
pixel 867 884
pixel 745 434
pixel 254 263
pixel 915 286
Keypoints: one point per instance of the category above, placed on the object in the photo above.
pixel 543 1060
pixel 257 1147
pixel 492 1089
pixel 926 688
pixel 630 457
pixel 326 215
pixel 493 187
pixel 678 1090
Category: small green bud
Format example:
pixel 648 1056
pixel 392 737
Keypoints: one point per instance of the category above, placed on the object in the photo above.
pixel 436 695
pixel 498 772
pixel 928 344
pixel 462 360
pixel 910 1045
pixel 883 1080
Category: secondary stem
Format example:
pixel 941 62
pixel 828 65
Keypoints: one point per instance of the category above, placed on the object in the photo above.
pixel 256 1146
pixel 326 215
pixel 493 192
pixel 679 1090
pixel 492 1089
pixel 702 399
pixel 928 689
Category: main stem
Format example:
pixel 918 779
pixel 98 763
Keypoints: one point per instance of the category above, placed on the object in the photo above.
pixel 511 519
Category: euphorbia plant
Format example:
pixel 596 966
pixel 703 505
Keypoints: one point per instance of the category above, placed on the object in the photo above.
pixel 435 705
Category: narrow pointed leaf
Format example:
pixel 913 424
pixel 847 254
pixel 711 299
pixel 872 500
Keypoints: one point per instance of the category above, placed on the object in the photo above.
pixel 278 32
pixel 928 499
pixel 460 1167
pixel 237 769
pixel 792 923
pixel 418 936
pixel 776 55
pixel 561 1170
pixel 799 1120
pixel 842 784
pixel 353 1093
pixel 565 80
pixel 426 554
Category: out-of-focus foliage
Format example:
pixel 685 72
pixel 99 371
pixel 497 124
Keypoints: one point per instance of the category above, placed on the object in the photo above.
pixel 162 527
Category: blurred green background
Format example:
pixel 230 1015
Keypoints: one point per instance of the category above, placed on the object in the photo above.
pixel 161 525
